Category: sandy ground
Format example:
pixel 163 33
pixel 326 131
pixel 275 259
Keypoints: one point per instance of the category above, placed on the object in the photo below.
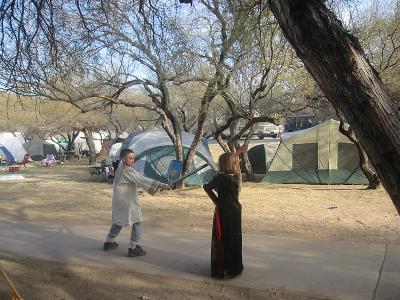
pixel 67 194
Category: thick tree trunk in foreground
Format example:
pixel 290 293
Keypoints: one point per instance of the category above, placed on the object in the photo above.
pixel 338 64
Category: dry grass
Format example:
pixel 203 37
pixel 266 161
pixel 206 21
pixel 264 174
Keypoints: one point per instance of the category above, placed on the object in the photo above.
pixel 66 194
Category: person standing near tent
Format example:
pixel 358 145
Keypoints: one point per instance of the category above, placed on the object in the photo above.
pixel 226 245
pixel 114 153
pixel 126 210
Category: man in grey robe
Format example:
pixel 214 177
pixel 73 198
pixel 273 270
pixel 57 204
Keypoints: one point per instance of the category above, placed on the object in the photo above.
pixel 126 209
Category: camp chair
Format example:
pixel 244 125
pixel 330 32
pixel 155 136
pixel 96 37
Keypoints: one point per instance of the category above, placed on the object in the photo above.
pixel 99 172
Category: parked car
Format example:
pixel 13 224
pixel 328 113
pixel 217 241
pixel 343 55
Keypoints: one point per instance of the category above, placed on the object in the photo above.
pixel 300 122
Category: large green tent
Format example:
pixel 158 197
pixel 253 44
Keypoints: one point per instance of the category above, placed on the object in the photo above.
pixel 318 155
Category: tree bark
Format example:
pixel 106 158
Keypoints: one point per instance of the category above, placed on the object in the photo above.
pixel 340 67
pixel 247 169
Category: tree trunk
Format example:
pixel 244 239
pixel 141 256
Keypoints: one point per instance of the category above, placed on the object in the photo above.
pixel 338 64
pixel 373 179
pixel 179 155
pixel 169 118
pixel 71 140
pixel 92 147
pixel 205 102
pixel 247 169
pixel 222 144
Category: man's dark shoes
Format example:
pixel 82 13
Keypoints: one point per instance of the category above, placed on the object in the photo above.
pixel 138 251
pixel 110 245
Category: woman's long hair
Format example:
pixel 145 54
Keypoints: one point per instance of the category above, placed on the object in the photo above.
pixel 229 164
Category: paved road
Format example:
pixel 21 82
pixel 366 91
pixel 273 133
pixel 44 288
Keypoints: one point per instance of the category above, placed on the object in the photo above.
pixel 336 270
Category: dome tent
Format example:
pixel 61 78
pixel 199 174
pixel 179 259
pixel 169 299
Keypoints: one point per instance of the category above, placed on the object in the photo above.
pixel 318 155
pixel 154 151
pixel 6 155
pixel 13 145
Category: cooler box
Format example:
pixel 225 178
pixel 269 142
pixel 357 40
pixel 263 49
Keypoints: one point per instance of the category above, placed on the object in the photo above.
pixel 13 168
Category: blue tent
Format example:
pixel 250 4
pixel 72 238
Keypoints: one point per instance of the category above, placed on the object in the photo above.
pixel 6 155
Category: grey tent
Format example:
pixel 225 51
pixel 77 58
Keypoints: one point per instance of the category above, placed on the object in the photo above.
pixel 318 155
pixel 38 148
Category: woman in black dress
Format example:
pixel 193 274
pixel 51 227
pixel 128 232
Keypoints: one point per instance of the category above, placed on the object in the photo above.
pixel 226 245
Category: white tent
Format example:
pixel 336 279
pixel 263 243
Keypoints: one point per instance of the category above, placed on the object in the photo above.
pixel 80 142
pixel 13 144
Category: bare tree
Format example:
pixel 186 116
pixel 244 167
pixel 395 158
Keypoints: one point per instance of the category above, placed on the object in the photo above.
pixel 109 48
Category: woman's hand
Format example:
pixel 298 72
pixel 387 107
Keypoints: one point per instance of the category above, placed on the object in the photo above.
pixel 210 193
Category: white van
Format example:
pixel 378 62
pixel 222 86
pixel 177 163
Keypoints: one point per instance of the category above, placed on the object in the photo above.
pixel 266 129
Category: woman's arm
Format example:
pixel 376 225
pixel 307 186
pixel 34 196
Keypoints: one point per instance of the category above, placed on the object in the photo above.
pixel 210 193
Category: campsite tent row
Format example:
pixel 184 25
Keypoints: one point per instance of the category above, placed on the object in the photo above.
pixel 318 155
pixel 13 148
